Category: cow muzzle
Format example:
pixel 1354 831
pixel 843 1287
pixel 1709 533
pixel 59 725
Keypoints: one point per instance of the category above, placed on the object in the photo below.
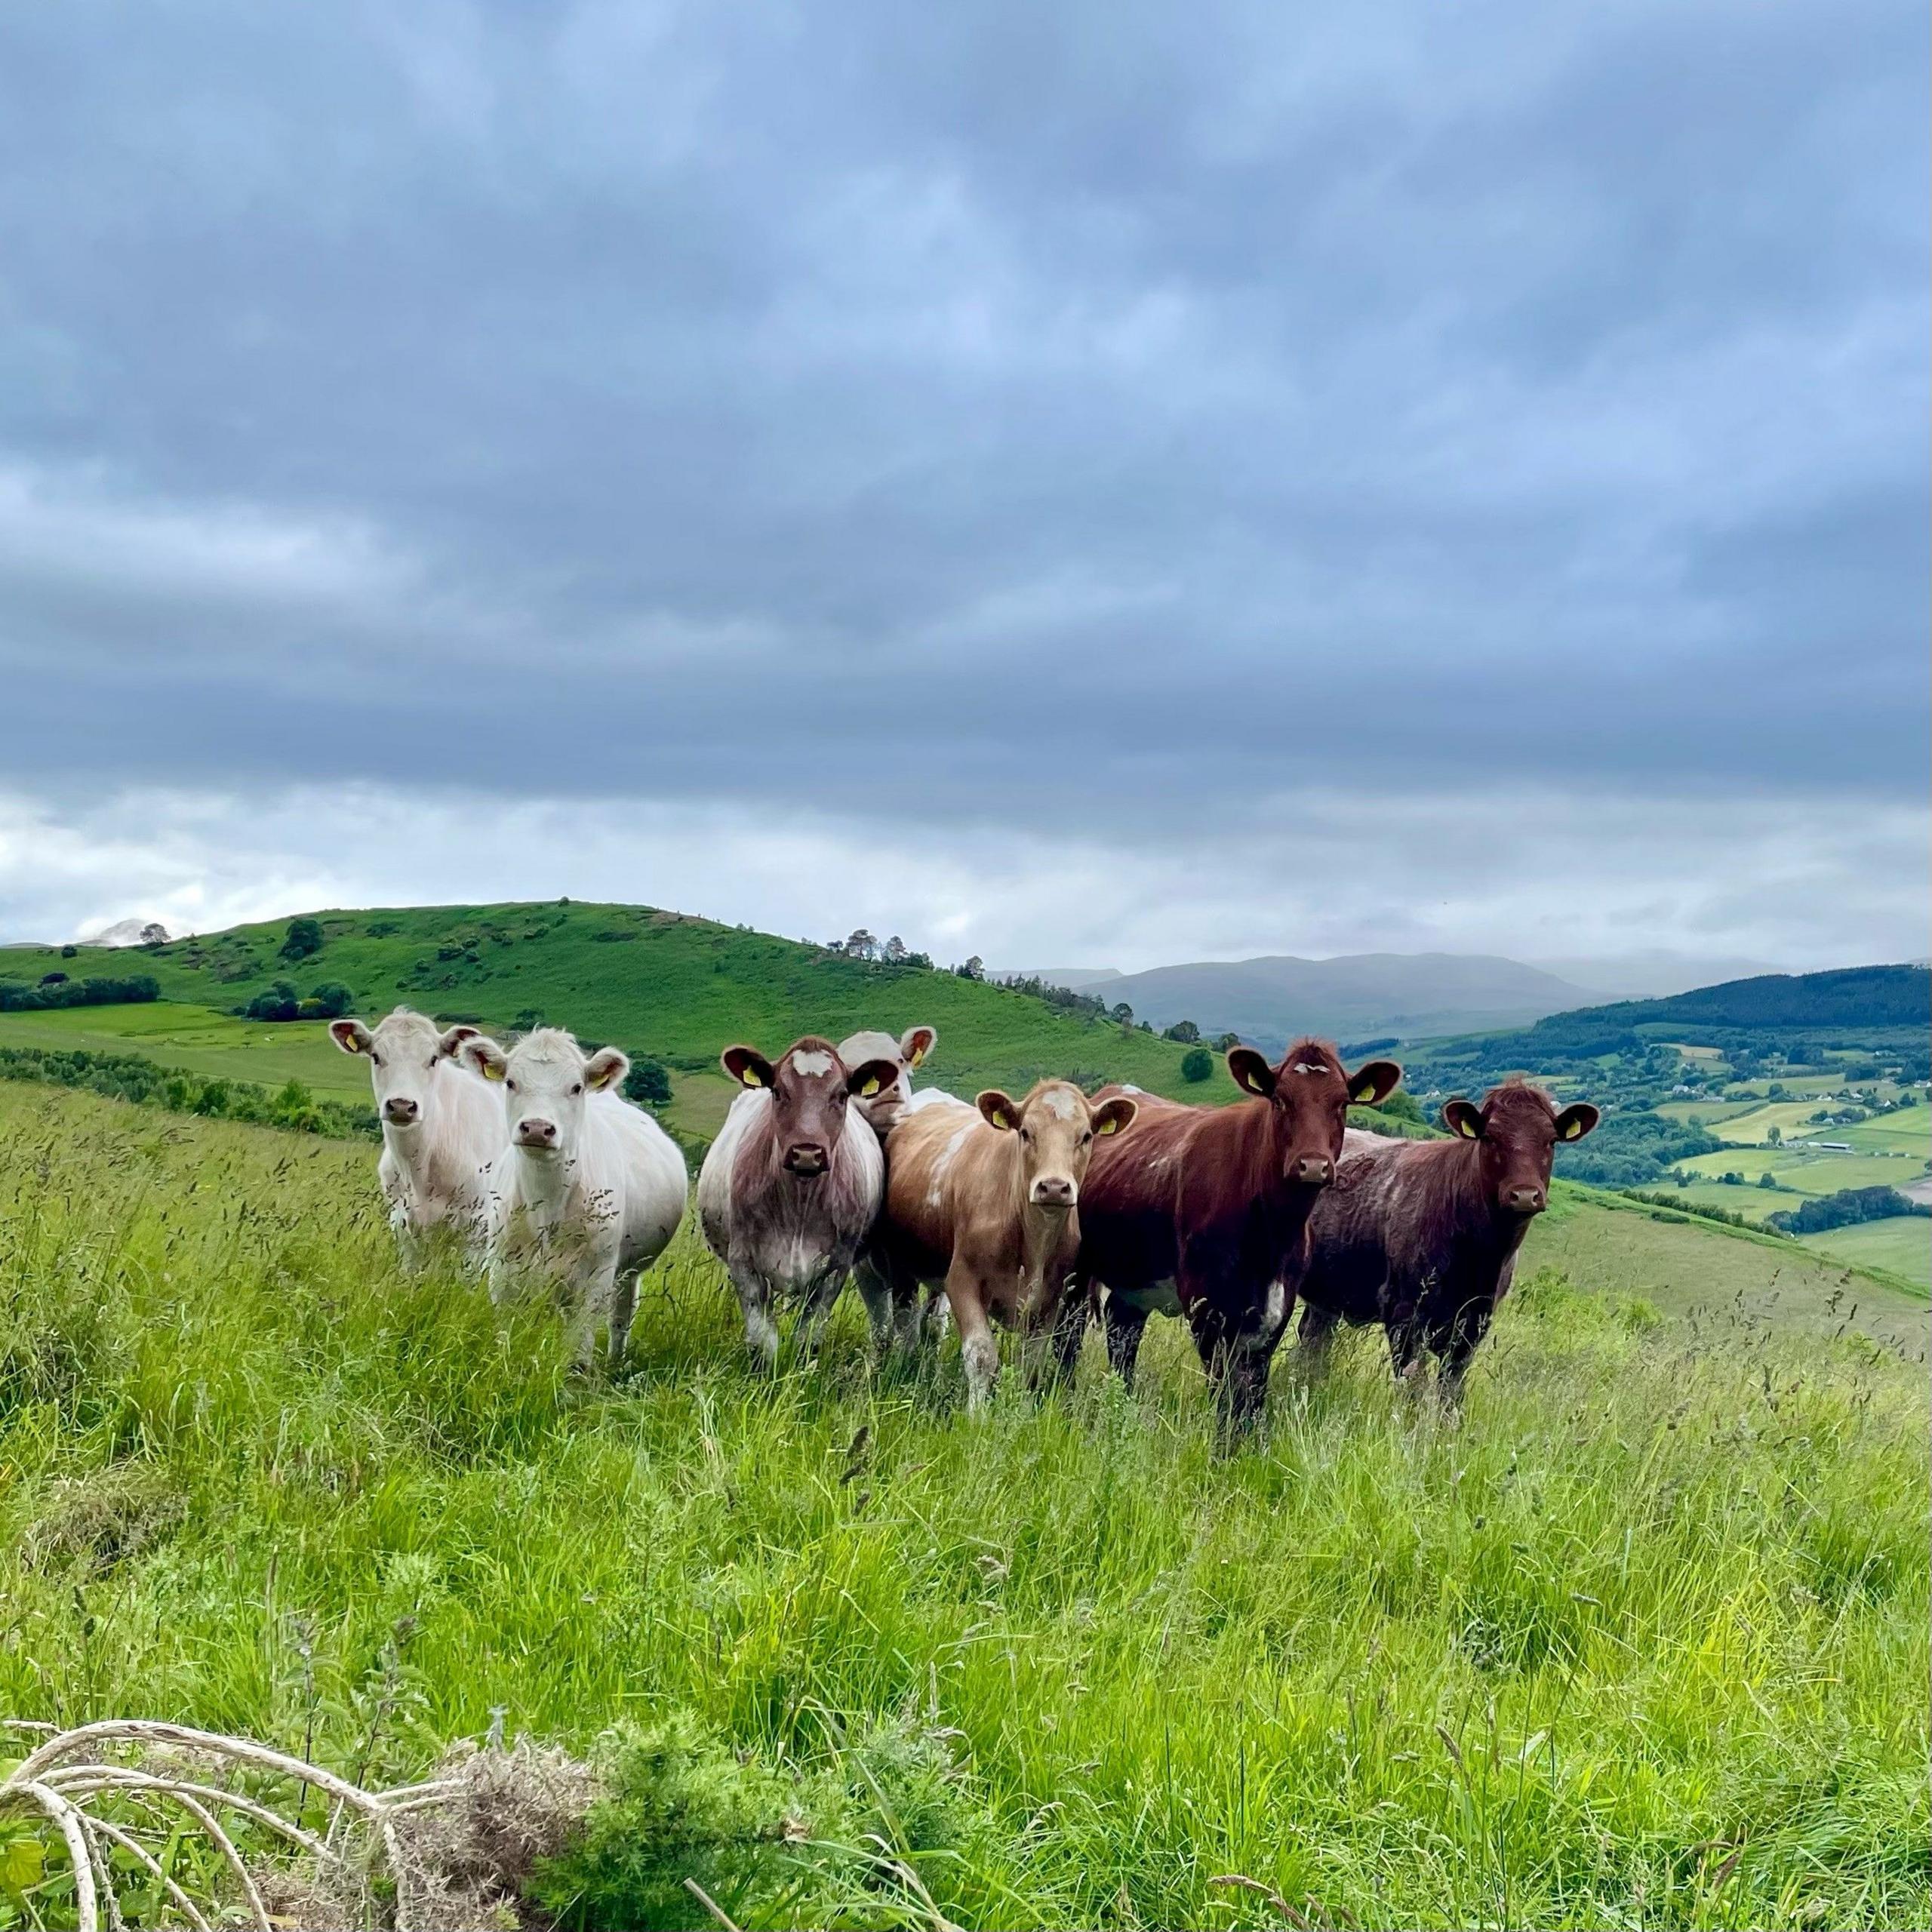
pixel 1524 1200
pixel 1312 1171
pixel 398 1111
pixel 806 1160
pixel 539 1135
pixel 1050 1192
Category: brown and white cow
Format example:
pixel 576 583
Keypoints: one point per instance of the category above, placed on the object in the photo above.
pixel 986 1202
pixel 792 1184
pixel 1202 1212
pixel 910 1050
pixel 1422 1235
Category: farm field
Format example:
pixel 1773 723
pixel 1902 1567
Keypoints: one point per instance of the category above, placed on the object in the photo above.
pixel 1805 1172
pixel 1660 1599
pixel 1903 1244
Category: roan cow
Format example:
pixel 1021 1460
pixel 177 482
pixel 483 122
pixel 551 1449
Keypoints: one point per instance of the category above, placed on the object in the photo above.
pixel 1422 1235
pixel 1202 1212
pixel 792 1184
pixel 987 1203
pixel 590 1189
pixel 441 1126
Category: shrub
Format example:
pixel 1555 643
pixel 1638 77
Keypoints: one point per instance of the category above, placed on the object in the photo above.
pixel 647 1082
pixel 1196 1064
pixel 304 937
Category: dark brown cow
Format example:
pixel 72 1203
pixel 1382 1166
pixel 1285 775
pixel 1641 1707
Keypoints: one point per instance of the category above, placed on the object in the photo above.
pixel 792 1184
pixel 1422 1235
pixel 1203 1211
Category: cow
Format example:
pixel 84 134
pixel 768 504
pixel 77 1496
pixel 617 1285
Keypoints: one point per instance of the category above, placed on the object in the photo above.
pixel 441 1126
pixel 589 1189
pixel 1203 1211
pixel 1422 1235
pixel 792 1184
pixel 909 1050
pixel 987 1203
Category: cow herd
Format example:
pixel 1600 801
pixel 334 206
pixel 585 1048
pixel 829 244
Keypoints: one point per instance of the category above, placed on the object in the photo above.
pixel 1037 1215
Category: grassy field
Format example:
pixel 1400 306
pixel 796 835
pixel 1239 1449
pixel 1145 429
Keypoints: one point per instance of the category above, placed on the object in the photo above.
pixel 1901 1244
pixel 679 989
pixel 1644 1641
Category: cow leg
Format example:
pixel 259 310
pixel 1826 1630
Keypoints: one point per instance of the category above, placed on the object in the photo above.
pixel 1068 1332
pixel 1125 1325
pixel 819 1295
pixel 1236 1356
pixel 623 1308
pixel 1317 1339
pixel 979 1347
pixel 876 1292
pixel 1466 1331
pixel 1403 1327
pixel 755 1299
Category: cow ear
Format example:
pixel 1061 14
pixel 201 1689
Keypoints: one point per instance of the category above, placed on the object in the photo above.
pixel 748 1066
pixel 997 1110
pixel 451 1043
pixel 871 1078
pixel 916 1042
pixel 1252 1074
pixel 605 1069
pixel 1459 1117
pixel 1374 1082
pixel 351 1036
pixel 1115 1116
pixel 1573 1122
pixel 483 1056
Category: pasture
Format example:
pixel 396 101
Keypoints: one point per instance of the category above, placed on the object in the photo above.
pixel 1643 1640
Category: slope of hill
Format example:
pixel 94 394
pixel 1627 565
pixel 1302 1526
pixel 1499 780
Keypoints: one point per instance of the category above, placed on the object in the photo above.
pixel 1410 995
pixel 1861 998
pixel 676 988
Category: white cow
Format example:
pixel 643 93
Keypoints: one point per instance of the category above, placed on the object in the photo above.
pixel 590 1189
pixel 441 1126
pixel 908 1051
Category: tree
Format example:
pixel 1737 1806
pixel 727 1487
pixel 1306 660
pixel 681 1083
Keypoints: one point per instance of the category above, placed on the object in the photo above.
pixel 154 934
pixel 1774 1136
pixel 278 1002
pixel 974 968
pixel 1768 1179
pixel 894 954
pixel 1123 1013
pixel 1185 1031
pixel 304 937
pixel 861 945
pixel 1197 1065
pixel 647 1082
pixel 1227 1039
pixel 330 1000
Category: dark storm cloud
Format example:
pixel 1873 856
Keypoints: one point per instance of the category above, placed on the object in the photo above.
pixel 396 393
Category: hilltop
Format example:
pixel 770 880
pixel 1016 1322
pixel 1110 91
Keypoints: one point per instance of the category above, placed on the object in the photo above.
pixel 664 984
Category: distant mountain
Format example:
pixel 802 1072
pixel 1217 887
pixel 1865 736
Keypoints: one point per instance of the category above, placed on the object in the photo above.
pixel 1855 997
pixel 1655 973
pixel 1364 996
pixel 1076 979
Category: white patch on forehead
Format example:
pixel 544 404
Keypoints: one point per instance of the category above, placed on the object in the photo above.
pixel 1060 1103
pixel 1309 1066
pixel 1128 1086
pixel 812 1063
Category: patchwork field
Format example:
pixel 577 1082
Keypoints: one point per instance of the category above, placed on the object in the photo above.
pixel 1643 1640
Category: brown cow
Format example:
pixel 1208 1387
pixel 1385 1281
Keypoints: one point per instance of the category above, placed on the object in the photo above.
pixel 988 1202
pixel 792 1184
pixel 1422 1235
pixel 1203 1211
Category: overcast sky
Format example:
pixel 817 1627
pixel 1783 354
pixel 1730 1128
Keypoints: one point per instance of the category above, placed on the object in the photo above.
pixel 1080 484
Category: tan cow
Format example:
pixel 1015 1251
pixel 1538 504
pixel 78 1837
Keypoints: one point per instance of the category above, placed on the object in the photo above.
pixel 986 1202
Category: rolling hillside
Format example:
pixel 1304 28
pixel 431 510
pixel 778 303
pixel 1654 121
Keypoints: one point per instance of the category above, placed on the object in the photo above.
pixel 660 983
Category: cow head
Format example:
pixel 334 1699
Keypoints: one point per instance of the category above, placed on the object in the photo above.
pixel 546 1079
pixel 1309 1095
pixel 407 1053
pixel 1056 1125
pixel 811 1087
pixel 908 1051
pixel 1516 1130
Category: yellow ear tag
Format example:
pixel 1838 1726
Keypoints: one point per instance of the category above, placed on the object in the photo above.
pixel 1110 1125
pixel 869 1088
pixel 918 1054
pixel 750 1077
pixel 1575 1128
pixel 1363 1097
pixel 491 1071
pixel 1464 1128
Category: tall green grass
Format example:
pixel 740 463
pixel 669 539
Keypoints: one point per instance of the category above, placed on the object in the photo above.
pixel 1644 1641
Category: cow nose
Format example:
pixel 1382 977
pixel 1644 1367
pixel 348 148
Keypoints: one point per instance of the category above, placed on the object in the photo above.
pixel 400 1112
pixel 1526 1199
pixel 1315 1170
pixel 806 1158
pixel 535 1133
pixel 1050 1192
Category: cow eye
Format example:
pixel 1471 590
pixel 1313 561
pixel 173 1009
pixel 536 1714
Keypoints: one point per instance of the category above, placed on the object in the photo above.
pixel 510 1084
pixel 375 1059
pixel 578 1088
pixel 1085 1137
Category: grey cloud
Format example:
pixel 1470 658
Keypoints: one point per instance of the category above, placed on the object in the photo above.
pixel 1010 402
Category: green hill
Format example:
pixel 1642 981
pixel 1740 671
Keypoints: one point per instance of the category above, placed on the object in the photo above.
pixel 661 983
